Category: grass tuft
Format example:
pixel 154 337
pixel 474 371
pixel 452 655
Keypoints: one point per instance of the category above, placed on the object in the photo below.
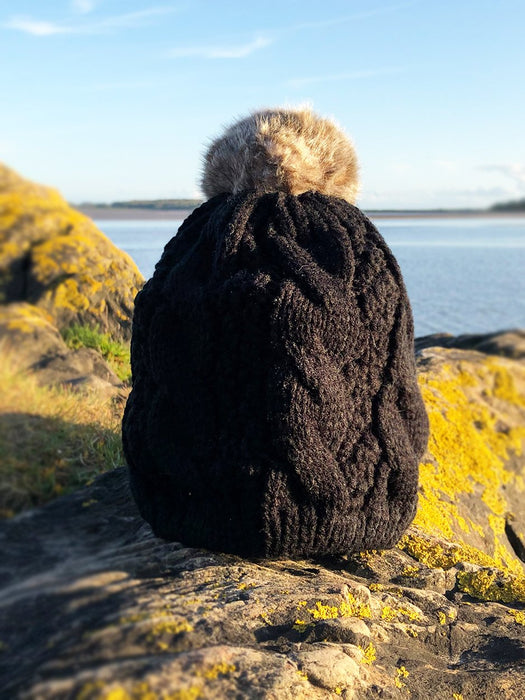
pixel 117 354
pixel 52 440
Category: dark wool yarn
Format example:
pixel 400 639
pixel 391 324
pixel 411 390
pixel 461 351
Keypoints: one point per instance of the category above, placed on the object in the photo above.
pixel 275 410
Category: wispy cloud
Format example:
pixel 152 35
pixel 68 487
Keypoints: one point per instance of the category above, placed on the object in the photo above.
pixel 212 51
pixel 224 51
pixel 373 12
pixel 129 20
pixel 82 6
pixel 36 27
pixel 351 75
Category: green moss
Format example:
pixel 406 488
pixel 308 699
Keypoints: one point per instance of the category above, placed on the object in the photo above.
pixel 117 354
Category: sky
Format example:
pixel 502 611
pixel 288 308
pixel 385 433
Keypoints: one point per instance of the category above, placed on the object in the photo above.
pixel 118 99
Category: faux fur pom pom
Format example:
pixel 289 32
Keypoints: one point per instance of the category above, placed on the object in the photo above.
pixel 293 151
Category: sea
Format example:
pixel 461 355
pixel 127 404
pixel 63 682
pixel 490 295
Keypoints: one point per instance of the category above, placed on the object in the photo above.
pixel 463 274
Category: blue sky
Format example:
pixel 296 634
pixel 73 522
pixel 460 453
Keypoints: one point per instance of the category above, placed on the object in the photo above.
pixel 114 99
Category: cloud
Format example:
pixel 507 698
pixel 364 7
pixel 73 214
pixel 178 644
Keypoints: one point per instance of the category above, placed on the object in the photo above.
pixel 351 75
pixel 514 171
pixel 334 21
pixel 82 6
pixel 132 19
pixel 36 27
pixel 129 20
pixel 233 51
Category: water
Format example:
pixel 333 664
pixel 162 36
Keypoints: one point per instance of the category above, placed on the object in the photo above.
pixel 463 275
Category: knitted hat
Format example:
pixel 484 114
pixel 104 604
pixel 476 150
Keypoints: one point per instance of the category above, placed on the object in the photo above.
pixel 275 409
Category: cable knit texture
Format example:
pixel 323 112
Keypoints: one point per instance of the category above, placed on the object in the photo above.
pixel 275 409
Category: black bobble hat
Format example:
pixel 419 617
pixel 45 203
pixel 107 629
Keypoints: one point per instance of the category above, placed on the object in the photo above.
pixel 275 409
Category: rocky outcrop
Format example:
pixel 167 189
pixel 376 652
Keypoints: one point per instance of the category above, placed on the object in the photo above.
pixel 55 258
pixel 92 605
pixel 27 333
pixel 57 269
pixel 507 343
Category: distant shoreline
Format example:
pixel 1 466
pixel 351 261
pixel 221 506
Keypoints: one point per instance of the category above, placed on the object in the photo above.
pixel 124 214
pixel 121 214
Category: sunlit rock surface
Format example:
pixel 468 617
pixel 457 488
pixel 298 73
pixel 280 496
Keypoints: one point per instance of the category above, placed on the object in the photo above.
pixel 58 270
pixel 55 258
pixel 92 605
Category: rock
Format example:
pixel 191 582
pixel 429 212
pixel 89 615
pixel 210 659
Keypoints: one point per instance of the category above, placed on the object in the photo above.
pixel 346 630
pixel 509 344
pixel 117 613
pixel 56 270
pixel 28 335
pixel 55 258
pixel 93 606
pixel 472 474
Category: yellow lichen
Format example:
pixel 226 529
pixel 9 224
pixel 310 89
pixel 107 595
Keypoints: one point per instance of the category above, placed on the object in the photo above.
pixel 75 264
pixel 401 673
pixel 492 584
pixel 468 445
pixel 220 669
pixel 389 614
pixel 518 615
pixel 137 691
pixel 90 690
pixel 265 618
pixel 245 586
pixel 169 627
pixel 504 386
pixel 442 618
pixel 351 607
pixel 369 654
pixel 119 694
pixel 301 626
pixel 442 555
pixel 162 623
pixel 376 587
